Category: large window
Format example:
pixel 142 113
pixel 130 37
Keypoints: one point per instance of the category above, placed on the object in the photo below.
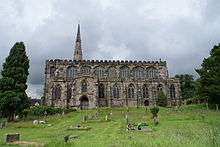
pixel 85 70
pixel 115 91
pixel 131 91
pixel 138 72
pixel 101 90
pixel 151 72
pixel 160 88
pixel 100 72
pixel 83 86
pixel 71 72
pixel 172 92
pixel 145 91
pixel 124 72
pixel 69 92
pixel 112 72
pixel 52 71
pixel 56 92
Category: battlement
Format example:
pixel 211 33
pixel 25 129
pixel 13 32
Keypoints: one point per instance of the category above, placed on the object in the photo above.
pixel 117 62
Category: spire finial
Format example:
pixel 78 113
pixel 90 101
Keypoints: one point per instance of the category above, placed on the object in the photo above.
pixel 78 49
pixel 78 37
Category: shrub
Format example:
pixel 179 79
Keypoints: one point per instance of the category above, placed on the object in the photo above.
pixel 154 110
pixel 44 110
pixel 162 99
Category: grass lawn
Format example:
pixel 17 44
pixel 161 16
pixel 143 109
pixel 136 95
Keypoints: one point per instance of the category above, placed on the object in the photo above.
pixel 188 126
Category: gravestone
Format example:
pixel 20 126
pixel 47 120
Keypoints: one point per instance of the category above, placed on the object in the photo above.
pixel 12 137
pixel 85 118
pixel 207 106
pixel 2 124
pixel 126 119
pixel 216 107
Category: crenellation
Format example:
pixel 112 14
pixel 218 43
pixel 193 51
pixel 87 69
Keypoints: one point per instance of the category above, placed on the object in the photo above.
pixel 107 82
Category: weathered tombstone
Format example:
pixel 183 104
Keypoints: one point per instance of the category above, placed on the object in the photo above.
pixel 66 138
pixel 3 124
pixel 106 118
pixel 12 137
pixel 207 106
pixel 85 118
pixel 216 106
pixel 35 122
pixel 156 121
pixel 126 119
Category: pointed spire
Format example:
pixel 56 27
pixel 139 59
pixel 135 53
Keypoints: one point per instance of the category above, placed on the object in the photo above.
pixel 78 37
pixel 78 49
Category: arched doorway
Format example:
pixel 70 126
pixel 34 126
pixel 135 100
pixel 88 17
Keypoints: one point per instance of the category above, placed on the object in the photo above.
pixel 146 102
pixel 84 102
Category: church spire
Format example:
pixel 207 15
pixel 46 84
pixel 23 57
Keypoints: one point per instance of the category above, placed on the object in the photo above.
pixel 78 49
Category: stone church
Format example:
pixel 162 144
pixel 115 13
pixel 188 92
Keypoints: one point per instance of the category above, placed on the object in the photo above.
pixel 106 83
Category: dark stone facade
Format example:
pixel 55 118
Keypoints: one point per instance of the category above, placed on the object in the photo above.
pixel 98 83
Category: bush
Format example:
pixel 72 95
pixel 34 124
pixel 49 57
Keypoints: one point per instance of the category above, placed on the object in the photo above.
pixel 162 99
pixel 44 110
pixel 154 111
pixel 68 110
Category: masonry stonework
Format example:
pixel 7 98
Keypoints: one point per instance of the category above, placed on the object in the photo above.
pixel 98 83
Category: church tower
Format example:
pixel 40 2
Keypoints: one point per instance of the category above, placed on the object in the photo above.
pixel 78 49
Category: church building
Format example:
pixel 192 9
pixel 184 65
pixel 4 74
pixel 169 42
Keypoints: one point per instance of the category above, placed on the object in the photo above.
pixel 107 83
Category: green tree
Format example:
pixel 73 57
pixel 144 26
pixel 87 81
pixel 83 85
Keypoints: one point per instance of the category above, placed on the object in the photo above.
pixel 161 99
pixel 210 76
pixel 187 85
pixel 13 98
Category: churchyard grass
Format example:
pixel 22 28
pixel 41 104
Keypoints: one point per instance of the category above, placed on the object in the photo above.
pixel 191 125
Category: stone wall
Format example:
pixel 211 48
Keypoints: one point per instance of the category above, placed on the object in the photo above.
pixel 59 77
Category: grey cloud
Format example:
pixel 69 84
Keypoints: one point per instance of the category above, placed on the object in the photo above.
pixel 181 32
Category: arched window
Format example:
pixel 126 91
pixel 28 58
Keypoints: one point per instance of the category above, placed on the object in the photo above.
pixel 71 72
pixel 160 88
pixel 172 92
pixel 151 72
pixel 131 91
pixel 115 91
pixel 138 72
pixel 83 86
pixel 52 71
pixel 85 70
pixel 124 72
pixel 56 92
pixel 112 72
pixel 145 91
pixel 99 72
pixel 101 90
pixel 69 93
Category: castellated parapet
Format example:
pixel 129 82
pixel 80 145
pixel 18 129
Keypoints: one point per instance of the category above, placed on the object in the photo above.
pixel 107 83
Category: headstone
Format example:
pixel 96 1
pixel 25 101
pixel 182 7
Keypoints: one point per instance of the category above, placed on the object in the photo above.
pixel 156 121
pixel 106 118
pixel 126 119
pixel 42 122
pixel 207 106
pixel 2 124
pixel 66 138
pixel 35 122
pixel 216 107
pixel 12 137
pixel 85 118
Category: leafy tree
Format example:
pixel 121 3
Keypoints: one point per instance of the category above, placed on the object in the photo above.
pixel 210 76
pixel 187 85
pixel 162 99
pixel 13 98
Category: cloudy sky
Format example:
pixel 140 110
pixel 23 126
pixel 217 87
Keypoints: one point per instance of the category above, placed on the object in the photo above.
pixel 179 31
